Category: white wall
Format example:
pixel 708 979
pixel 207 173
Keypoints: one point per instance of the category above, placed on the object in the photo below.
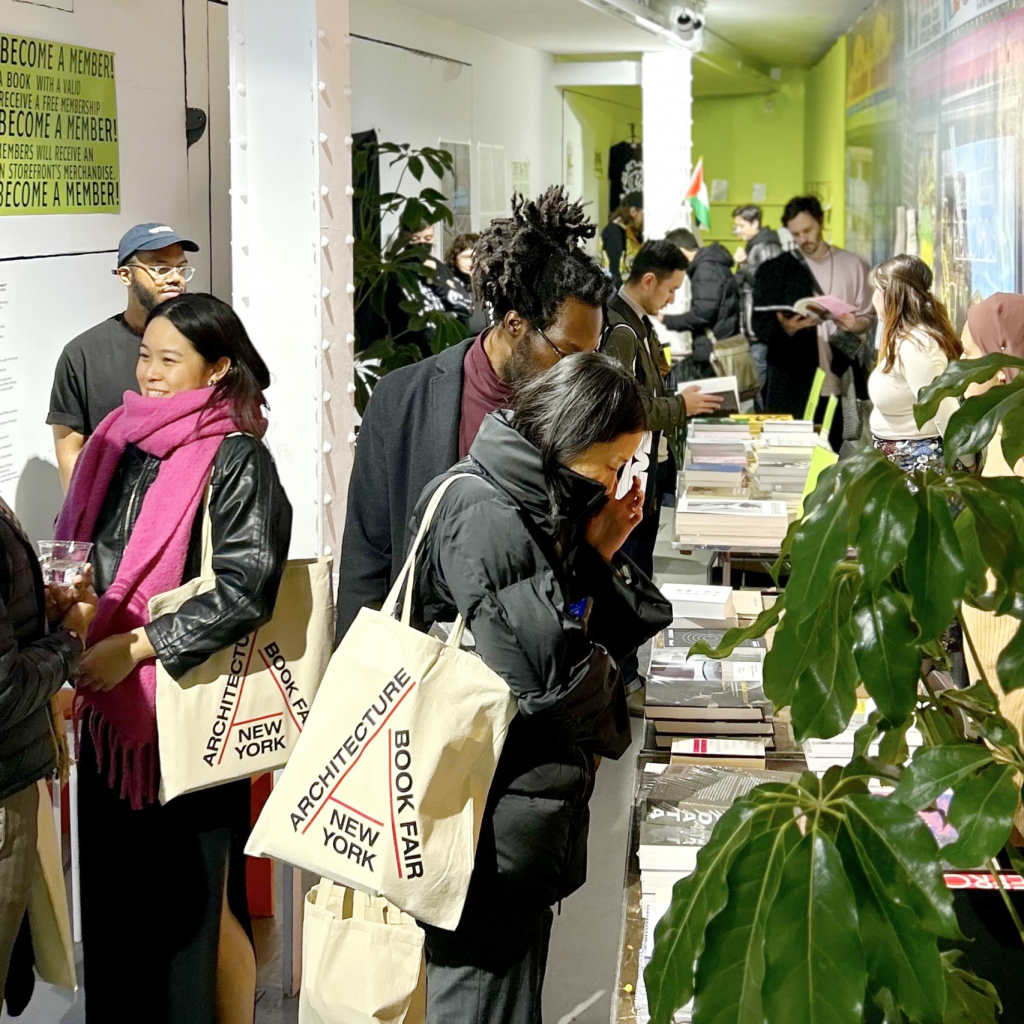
pixel 505 97
pixel 48 298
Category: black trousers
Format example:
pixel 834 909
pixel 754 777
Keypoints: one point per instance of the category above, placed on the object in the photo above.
pixel 490 970
pixel 152 890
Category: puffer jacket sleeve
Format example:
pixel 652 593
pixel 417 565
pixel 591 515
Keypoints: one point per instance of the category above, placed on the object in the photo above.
pixel 708 285
pixel 515 608
pixel 31 675
pixel 252 523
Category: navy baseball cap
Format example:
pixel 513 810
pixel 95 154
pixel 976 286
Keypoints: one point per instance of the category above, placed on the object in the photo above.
pixel 145 237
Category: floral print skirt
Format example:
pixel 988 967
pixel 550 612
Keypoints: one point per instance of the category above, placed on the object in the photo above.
pixel 913 453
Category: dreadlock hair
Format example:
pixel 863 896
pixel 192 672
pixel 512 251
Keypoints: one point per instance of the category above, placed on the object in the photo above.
pixel 533 261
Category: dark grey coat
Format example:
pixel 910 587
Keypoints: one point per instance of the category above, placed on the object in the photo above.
pixel 33 665
pixel 520 576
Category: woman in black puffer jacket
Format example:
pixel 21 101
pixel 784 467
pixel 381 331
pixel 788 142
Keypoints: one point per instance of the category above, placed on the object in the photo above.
pixel 34 663
pixel 526 550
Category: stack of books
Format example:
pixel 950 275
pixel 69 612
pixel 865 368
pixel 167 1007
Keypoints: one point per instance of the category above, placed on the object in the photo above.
pixel 789 432
pixel 692 698
pixel 823 754
pixel 677 816
pixel 781 471
pixel 732 522
pixel 717 459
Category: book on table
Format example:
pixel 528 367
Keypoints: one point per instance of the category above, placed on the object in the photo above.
pixel 707 691
pixel 697 604
pixel 676 642
pixel 719 751
pixel 730 521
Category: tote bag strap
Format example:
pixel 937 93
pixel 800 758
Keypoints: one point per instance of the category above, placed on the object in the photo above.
pixel 408 573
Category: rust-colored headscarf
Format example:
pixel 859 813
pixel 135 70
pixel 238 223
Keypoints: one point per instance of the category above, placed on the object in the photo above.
pixel 997 325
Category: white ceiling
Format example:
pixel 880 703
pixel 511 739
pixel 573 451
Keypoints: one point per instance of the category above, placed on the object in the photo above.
pixel 774 32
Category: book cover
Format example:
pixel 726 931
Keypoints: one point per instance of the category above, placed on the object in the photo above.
pixel 666 690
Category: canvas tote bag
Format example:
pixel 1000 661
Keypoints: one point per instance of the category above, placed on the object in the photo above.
pixel 48 904
pixel 362 960
pixel 240 713
pixel 386 788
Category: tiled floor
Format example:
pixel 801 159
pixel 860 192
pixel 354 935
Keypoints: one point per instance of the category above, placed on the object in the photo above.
pixel 584 944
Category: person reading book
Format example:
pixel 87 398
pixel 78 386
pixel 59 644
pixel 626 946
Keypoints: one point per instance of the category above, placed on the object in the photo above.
pixel 799 345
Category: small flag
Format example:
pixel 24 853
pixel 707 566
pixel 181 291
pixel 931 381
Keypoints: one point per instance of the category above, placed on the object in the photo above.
pixel 697 197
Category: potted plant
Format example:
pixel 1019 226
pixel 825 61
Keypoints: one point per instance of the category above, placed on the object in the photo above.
pixel 388 269
pixel 824 900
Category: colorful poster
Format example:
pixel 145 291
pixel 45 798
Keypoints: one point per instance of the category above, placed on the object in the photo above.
pixel 871 50
pixel 58 129
pixel 960 12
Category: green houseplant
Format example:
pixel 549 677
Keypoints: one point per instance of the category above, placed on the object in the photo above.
pixel 821 901
pixel 384 267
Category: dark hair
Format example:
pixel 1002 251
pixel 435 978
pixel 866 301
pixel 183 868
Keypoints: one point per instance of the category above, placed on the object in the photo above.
pixel 803 204
pixel 215 332
pixel 632 200
pixel 905 283
pixel 749 213
pixel 660 257
pixel 459 245
pixel 581 401
pixel 683 239
pixel 532 261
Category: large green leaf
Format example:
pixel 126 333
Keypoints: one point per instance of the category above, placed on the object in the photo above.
pixel 982 814
pixel 999 516
pixel 902 956
pixel 887 655
pixel 972 426
pixel 905 856
pixel 679 936
pixel 1010 664
pixel 1013 435
pixel 969 999
pixel 731 971
pixel 886 526
pixel 936 769
pixel 953 381
pixel 785 660
pixel 826 687
pixel 815 971
pixel 934 573
pixel 734 637
pixel 974 561
pixel 819 545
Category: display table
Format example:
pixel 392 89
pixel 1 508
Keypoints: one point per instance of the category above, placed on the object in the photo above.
pixel 786 756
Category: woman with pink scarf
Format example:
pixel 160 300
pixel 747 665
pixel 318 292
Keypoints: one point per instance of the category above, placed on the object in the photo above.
pixel 165 923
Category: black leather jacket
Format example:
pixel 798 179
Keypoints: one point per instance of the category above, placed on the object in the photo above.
pixel 33 665
pixel 252 526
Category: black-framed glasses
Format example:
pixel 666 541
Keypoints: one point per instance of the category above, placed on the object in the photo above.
pixel 554 348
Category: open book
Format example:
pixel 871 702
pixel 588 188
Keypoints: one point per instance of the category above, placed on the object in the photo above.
pixel 726 387
pixel 818 307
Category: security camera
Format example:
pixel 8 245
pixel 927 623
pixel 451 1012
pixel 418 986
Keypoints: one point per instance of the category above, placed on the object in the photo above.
pixel 686 21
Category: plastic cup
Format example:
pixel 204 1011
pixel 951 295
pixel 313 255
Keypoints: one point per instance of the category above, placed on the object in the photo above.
pixel 63 560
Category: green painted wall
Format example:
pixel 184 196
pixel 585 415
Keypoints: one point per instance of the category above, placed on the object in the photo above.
pixel 748 139
pixel 825 137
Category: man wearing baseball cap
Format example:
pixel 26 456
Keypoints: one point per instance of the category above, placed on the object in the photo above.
pixel 98 367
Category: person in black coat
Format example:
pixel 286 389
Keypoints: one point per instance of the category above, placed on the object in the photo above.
pixel 526 550
pixel 546 299
pixel 42 636
pixel 715 297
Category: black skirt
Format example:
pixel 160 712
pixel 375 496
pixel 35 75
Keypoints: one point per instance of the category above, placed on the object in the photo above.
pixel 152 883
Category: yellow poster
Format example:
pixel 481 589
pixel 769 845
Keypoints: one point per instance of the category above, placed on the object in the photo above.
pixel 58 129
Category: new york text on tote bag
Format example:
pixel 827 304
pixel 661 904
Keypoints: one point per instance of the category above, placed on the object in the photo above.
pixel 387 786
pixel 241 711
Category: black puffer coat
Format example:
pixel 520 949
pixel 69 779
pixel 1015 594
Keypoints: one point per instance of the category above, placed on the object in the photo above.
pixel 764 246
pixel 33 666
pixel 492 554
pixel 252 525
pixel 715 303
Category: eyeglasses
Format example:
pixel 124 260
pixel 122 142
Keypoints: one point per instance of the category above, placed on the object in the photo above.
pixel 554 348
pixel 162 273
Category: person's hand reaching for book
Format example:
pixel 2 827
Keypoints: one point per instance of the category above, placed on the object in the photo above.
pixel 795 324
pixel 607 530
pixel 699 403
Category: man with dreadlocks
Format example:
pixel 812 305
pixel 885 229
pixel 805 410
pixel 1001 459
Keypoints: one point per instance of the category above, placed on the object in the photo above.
pixel 545 300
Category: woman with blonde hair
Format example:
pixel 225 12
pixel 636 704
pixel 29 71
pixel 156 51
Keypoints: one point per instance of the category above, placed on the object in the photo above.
pixel 917 342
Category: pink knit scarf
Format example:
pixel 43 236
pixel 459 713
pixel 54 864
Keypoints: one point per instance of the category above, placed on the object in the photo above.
pixel 184 432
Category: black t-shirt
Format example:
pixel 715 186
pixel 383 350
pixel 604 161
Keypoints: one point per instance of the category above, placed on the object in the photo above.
pixel 93 373
pixel 625 172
